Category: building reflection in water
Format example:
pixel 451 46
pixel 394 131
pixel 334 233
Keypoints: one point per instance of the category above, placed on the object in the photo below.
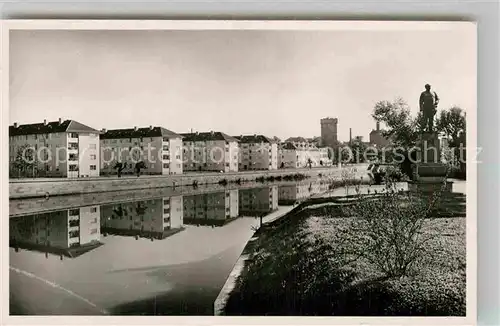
pixel 73 232
pixel 67 233
pixel 259 201
pixel 155 218
pixel 213 209
pixel 293 193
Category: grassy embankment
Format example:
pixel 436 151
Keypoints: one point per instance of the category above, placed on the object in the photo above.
pixel 303 265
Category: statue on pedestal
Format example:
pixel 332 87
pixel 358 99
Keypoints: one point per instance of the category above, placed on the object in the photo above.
pixel 429 101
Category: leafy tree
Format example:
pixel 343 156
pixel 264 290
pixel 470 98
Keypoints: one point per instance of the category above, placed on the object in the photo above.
pixel 25 161
pixel 402 128
pixel 452 123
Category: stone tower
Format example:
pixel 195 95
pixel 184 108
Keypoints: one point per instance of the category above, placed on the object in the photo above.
pixel 329 132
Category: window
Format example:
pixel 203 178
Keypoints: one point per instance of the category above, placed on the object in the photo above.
pixel 93 167
pixel 93 231
pixel 165 139
pixel 166 210
pixel 93 221
pixel 73 135
pixel 92 157
pixel 227 149
pixel 93 209
pixel 165 148
pixel 141 139
pixel 74 234
pixel 92 146
pixel 166 165
pixel 36 136
pixel 227 164
pixel 178 157
pixel 73 223
pixel 73 167
pixel 73 145
pixel 73 157
pixel 74 212
pixel 166 157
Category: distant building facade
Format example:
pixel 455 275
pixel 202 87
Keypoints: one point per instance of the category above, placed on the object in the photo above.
pixel 257 152
pixel 299 154
pixel 61 149
pixel 210 151
pixel 329 132
pixel 160 149
pixel 377 139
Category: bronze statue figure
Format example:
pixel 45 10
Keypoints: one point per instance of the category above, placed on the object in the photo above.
pixel 428 106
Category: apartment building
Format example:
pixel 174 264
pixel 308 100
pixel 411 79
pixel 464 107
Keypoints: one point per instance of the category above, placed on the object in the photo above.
pixel 160 149
pixel 53 149
pixel 215 208
pixel 210 151
pixel 69 232
pixel 258 202
pixel 257 152
pixel 155 218
pixel 299 153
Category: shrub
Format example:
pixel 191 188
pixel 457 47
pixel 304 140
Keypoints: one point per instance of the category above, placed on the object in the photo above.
pixel 394 173
pixel 387 229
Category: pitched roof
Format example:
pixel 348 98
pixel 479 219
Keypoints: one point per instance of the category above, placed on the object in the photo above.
pixel 138 133
pixel 297 139
pixel 50 127
pixel 204 136
pixel 255 139
pixel 288 146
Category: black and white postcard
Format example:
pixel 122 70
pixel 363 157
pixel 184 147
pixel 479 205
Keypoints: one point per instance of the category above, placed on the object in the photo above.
pixel 219 169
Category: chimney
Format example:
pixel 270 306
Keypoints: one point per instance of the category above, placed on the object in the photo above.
pixel 44 122
pixel 350 135
pixel 135 128
pixel 191 130
pixel 103 130
pixel 15 124
pixel 60 120
pixel 378 126
pixel 150 127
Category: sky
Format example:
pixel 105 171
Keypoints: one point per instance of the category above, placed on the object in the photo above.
pixel 276 83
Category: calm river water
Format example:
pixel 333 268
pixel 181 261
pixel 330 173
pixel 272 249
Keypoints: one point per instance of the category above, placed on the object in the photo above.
pixel 167 253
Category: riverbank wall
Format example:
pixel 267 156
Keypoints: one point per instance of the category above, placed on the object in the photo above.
pixel 29 206
pixel 35 188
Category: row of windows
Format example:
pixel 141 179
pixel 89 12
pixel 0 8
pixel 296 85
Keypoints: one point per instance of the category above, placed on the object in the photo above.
pixel 74 168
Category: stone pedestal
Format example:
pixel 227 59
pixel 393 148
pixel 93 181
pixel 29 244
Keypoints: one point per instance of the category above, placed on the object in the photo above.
pixel 428 172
